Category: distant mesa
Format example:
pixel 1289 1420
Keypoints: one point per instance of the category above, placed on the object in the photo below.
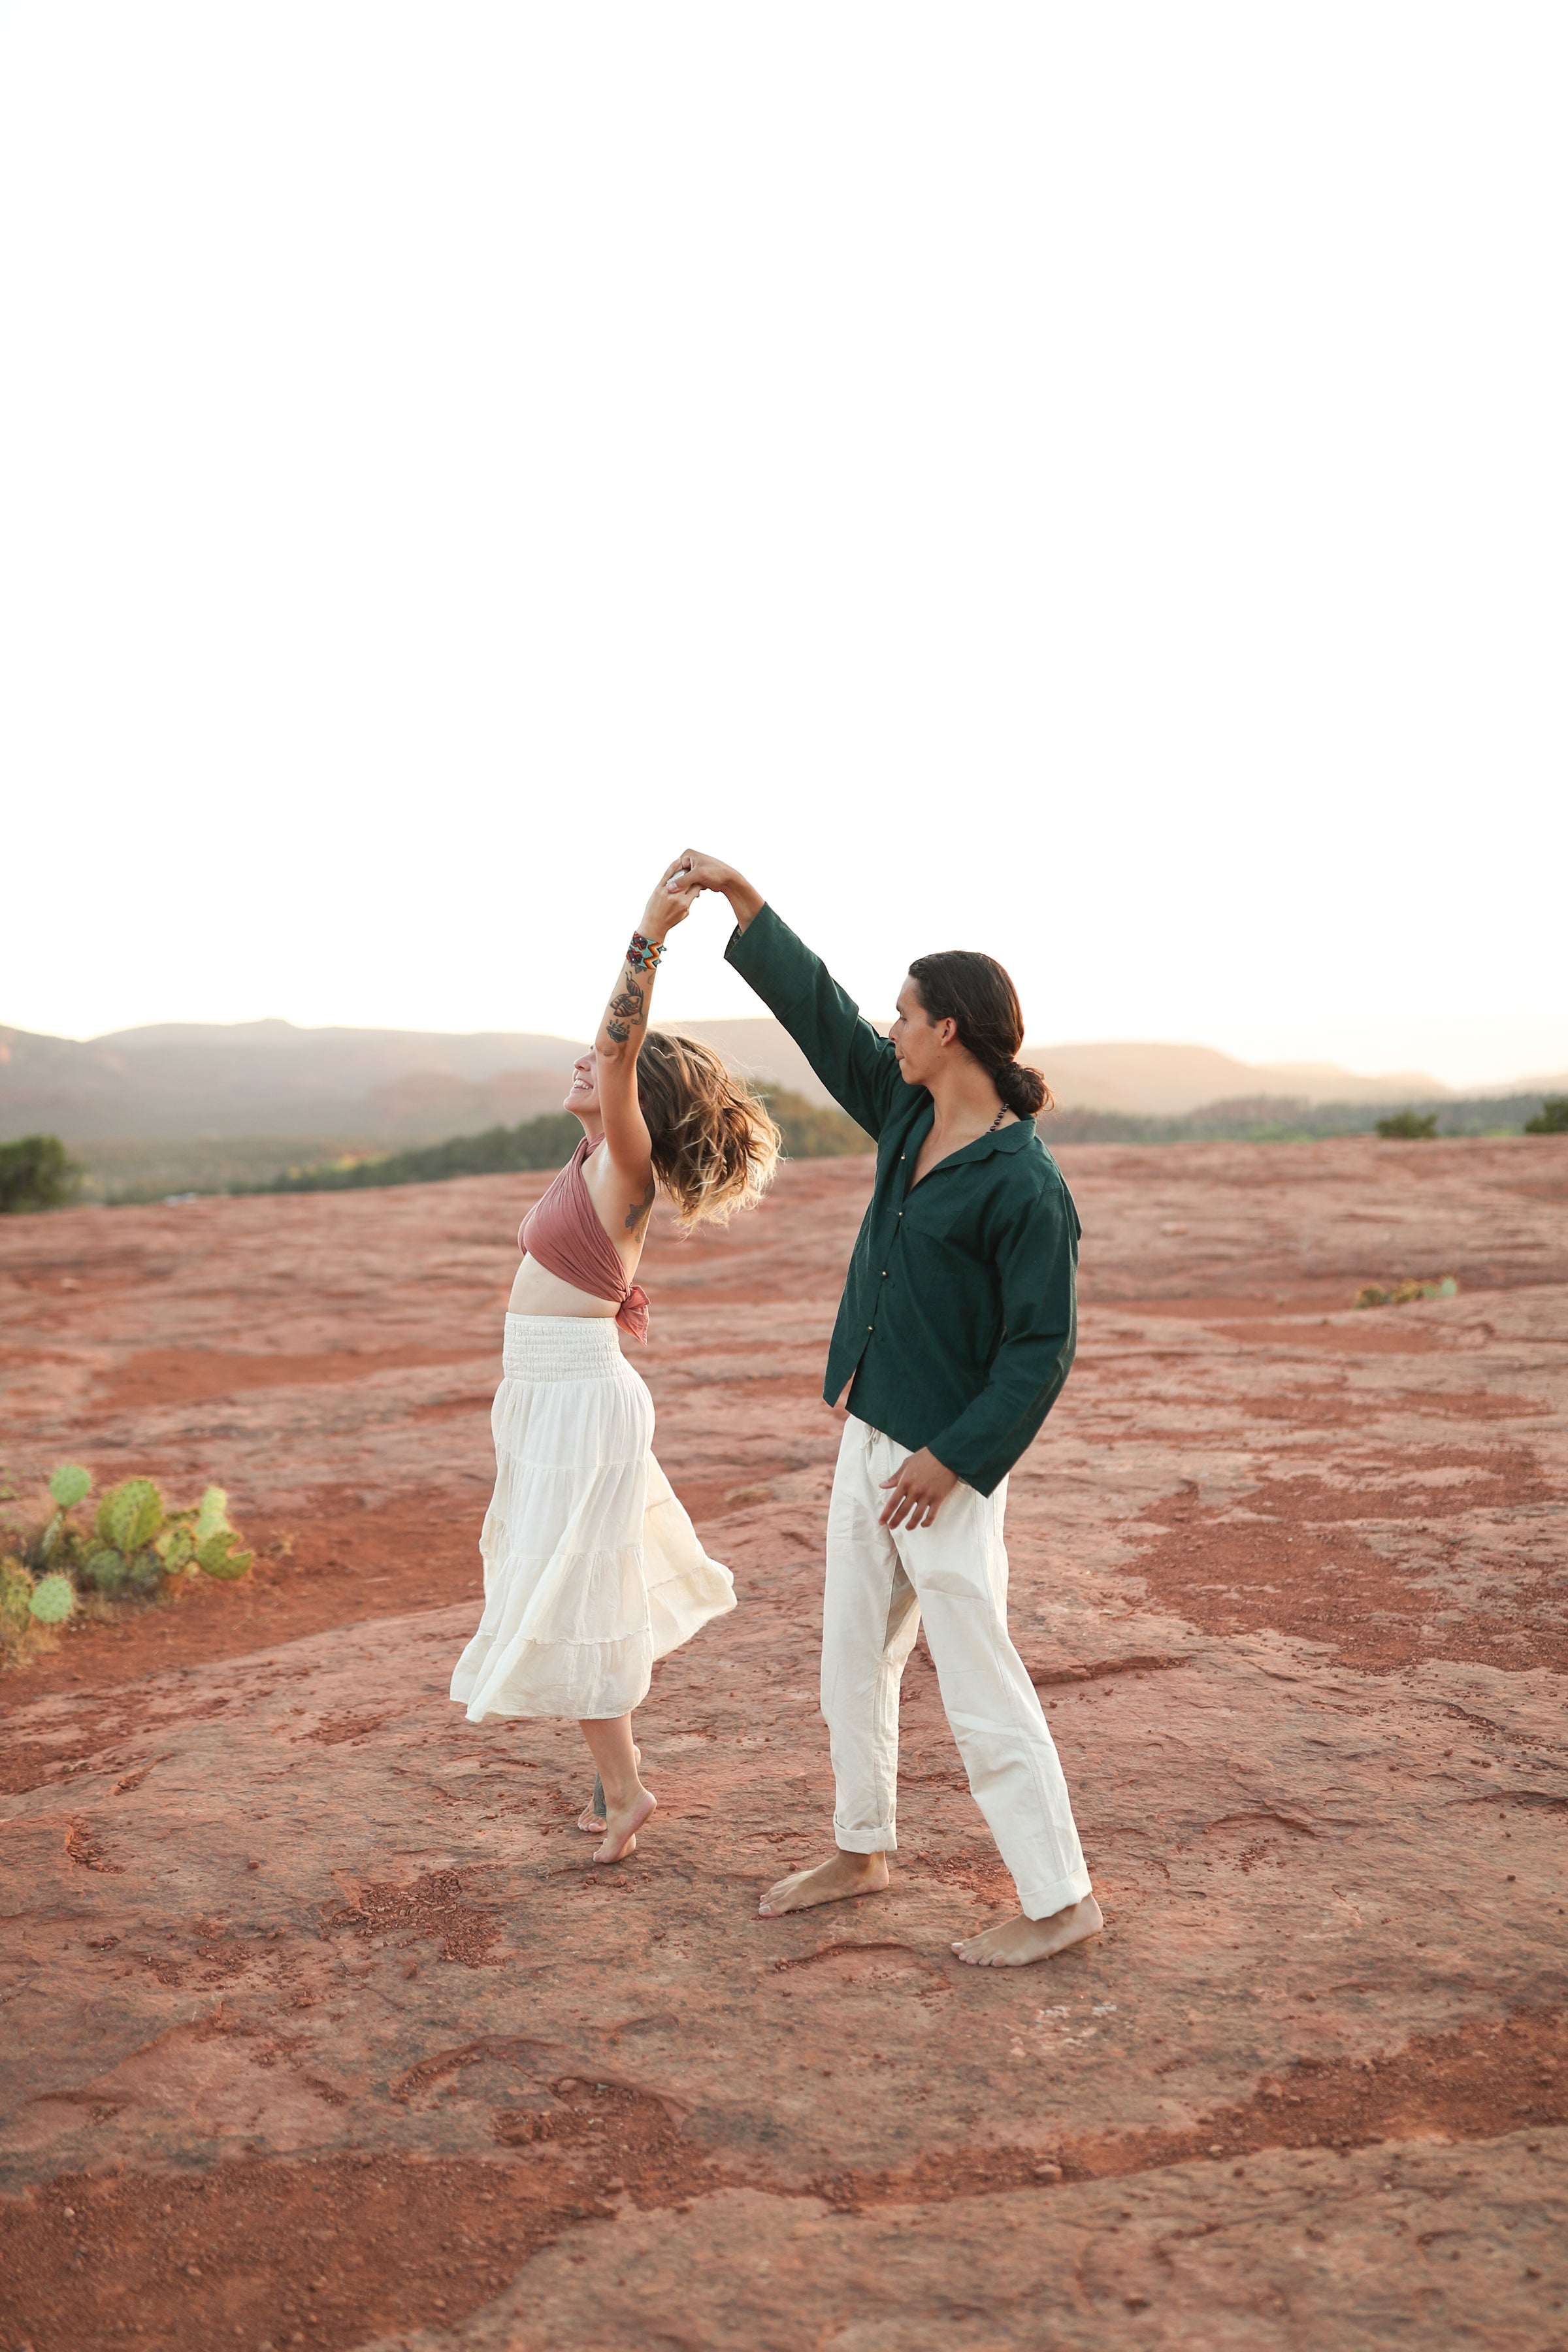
pixel 1157 1081
pixel 268 1078
pixel 1145 1081
pixel 374 1087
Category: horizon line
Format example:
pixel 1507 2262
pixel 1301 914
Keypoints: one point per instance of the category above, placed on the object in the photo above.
pixel 1522 1082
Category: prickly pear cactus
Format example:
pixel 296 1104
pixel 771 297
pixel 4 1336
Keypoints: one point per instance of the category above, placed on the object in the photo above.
pixel 69 1484
pixel 146 1573
pixel 220 1559
pixel 15 1593
pixel 212 1514
pixel 54 1598
pixel 177 1549
pixel 130 1515
pixel 106 1571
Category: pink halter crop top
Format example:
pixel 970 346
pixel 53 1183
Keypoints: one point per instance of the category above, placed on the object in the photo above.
pixel 564 1235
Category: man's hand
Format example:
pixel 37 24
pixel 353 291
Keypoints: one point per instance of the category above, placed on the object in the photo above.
pixel 693 870
pixel 920 1485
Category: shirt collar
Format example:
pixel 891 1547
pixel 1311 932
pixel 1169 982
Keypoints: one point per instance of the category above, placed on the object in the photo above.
pixel 1005 1138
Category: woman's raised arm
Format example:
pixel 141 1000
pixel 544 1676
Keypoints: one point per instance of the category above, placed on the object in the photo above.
pixel 624 1025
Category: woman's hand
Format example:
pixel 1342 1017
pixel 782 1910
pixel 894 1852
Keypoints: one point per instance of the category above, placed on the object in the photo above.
pixel 672 900
pixel 694 871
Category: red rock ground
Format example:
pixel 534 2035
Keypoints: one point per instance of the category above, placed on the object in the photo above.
pixel 320 2028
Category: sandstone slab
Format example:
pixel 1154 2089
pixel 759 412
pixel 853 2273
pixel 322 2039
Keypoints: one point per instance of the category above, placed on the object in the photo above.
pixel 322 2027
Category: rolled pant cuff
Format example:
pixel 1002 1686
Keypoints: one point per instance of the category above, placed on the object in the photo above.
pixel 864 1841
pixel 1043 1902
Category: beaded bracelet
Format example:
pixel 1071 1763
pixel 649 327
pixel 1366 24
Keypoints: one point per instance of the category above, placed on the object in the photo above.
pixel 644 955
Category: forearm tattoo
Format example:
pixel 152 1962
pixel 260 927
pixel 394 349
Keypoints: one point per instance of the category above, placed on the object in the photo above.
pixel 637 1210
pixel 626 1009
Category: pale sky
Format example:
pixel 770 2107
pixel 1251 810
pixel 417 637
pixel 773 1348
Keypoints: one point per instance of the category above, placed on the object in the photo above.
pixel 1088 483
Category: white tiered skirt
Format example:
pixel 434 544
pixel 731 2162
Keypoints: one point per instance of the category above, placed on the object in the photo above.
pixel 591 1568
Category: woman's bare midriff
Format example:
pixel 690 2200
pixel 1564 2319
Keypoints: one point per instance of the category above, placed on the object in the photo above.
pixel 534 1291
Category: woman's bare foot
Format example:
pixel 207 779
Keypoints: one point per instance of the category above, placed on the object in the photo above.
pixel 591 1819
pixel 830 1882
pixel 1018 1941
pixel 621 1829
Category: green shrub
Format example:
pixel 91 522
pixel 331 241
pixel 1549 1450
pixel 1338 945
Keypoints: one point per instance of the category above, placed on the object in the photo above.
pixel 547 1143
pixel 37 1172
pixel 1406 1294
pixel 1408 1126
pixel 810 1130
pixel 1551 1118
pixel 814 1130
pixel 15 1594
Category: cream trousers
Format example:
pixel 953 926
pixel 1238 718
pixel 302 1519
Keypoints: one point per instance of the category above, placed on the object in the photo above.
pixel 880 1581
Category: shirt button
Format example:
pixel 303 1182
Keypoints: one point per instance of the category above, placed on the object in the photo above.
pixel 870 1327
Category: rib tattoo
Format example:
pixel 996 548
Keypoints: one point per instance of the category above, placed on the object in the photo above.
pixel 638 1210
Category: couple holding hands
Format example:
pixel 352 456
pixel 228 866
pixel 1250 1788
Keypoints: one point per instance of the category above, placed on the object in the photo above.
pixel 954 1336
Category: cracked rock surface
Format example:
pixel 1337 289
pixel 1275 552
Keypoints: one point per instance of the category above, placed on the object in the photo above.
pixel 321 2027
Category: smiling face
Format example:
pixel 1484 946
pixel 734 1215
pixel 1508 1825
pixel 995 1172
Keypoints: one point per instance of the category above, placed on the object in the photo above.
pixel 919 1042
pixel 583 1094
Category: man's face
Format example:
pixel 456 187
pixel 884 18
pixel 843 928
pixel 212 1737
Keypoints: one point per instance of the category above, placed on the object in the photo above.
pixel 916 1040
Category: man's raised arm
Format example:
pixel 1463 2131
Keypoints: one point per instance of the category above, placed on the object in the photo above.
pixel 857 1066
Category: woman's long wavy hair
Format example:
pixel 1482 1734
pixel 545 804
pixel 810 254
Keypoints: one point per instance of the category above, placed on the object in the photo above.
pixel 974 990
pixel 714 1145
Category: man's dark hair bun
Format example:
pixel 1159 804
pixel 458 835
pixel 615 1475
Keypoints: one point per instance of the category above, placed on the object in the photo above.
pixel 1022 1090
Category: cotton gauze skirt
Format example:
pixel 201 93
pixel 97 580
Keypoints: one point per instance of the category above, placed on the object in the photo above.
pixel 591 1568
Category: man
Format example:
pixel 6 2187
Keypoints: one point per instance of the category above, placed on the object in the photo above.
pixel 954 1336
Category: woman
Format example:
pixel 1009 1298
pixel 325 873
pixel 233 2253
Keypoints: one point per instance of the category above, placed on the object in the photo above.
pixel 591 1568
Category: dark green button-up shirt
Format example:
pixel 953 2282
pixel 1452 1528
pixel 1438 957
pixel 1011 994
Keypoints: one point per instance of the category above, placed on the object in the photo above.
pixel 958 1321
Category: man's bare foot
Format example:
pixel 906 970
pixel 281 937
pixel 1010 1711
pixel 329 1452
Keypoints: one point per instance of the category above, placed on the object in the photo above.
pixel 591 1819
pixel 621 1829
pixel 830 1882
pixel 1018 1941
